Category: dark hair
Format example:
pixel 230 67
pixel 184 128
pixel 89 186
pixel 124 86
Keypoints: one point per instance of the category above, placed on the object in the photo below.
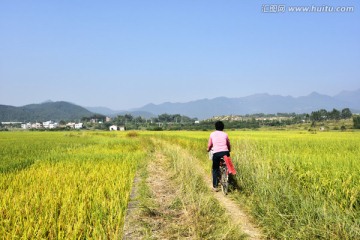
pixel 219 125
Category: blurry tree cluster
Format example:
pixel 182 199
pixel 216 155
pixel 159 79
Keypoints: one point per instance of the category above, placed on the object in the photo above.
pixel 356 120
pixel 249 121
pixel 323 115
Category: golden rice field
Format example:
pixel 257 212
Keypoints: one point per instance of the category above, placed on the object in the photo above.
pixel 298 185
pixel 65 185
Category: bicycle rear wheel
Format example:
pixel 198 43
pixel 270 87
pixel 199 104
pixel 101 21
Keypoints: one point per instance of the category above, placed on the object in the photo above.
pixel 224 180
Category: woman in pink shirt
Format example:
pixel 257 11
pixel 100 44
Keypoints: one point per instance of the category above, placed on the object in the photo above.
pixel 220 145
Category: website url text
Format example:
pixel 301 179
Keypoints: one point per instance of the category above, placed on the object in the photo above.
pixel 281 8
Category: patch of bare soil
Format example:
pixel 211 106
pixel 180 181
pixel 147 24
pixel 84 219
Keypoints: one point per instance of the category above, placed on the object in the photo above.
pixel 237 214
pixel 161 219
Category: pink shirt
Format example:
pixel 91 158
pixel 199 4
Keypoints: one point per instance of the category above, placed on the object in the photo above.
pixel 219 142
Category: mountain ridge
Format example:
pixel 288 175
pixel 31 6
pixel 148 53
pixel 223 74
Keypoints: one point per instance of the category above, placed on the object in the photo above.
pixel 201 108
pixel 258 103
pixel 45 111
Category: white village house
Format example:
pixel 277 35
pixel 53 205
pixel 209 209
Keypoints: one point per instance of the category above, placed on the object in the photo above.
pixel 75 125
pixel 116 128
pixel 113 128
pixel 29 125
pixel 50 124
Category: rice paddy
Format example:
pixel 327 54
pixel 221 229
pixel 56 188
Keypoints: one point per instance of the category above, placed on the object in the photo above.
pixel 61 185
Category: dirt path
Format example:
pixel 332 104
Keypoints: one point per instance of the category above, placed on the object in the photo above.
pixel 162 220
pixel 237 214
pixel 132 227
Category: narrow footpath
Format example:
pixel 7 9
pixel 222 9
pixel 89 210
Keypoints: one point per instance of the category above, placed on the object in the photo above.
pixel 159 219
pixel 237 214
pixel 159 215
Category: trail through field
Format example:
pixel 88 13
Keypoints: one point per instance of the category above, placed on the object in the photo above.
pixel 132 227
pixel 163 219
pixel 159 218
pixel 237 213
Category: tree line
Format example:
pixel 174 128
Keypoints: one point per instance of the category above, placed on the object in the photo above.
pixel 323 115
pixel 249 121
pixel 181 122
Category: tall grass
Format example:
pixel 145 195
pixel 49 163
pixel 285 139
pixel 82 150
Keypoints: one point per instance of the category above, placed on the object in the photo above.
pixel 298 185
pixel 302 185
pixel 77 185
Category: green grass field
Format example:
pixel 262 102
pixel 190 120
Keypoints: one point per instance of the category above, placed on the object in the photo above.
pixel 61 185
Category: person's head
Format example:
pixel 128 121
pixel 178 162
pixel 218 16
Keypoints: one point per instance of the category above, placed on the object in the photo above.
pixel 219 125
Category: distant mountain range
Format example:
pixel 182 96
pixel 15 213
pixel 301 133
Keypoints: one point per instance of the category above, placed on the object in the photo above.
pixel 258 103
pixel 111 113
pixel 202 109
pixel 46 111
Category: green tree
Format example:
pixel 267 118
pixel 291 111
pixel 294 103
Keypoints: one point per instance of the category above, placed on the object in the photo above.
pixel 346 113
pixel 165 118
pixel 97 117
pixel 334 114
pixel 315 116
pixel 356 121
pixel 324 114
pixel 128 118
pixel 123 119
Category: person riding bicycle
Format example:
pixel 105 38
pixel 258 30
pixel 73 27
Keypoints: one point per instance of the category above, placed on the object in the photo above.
pixel 219 143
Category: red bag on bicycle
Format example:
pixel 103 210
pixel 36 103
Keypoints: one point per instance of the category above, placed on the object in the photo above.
pixel 229 165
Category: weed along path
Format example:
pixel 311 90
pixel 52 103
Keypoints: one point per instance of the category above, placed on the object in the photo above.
pixel 174 201
pixel 237 214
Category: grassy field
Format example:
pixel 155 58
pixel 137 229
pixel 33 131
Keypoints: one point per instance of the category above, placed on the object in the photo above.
pixel 298 185
pixel 64 185
pixel 302 185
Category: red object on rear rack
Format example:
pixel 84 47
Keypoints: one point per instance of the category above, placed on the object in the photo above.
pixel 229 165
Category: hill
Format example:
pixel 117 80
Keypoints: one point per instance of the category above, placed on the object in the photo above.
pixel 112 113
pixel 350 96
pixel 202 109
pixel 43 112
pixel 257 103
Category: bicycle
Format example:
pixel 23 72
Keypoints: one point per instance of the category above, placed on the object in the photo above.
pixel 224 177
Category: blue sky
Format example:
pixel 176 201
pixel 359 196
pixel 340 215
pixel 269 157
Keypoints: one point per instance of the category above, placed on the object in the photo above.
pixel 125 54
